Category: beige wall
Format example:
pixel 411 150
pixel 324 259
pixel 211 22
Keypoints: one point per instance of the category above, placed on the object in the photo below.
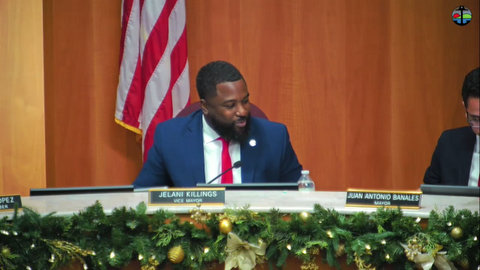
pixel 365 87
pixel 22 136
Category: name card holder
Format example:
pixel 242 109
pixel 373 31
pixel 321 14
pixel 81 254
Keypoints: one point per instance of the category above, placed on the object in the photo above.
pixel 383 198
pixel 8 202
pixel 186 196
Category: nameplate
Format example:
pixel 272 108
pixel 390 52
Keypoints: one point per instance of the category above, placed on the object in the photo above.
pixel 383 198
pixel 186 196
pixel 9 202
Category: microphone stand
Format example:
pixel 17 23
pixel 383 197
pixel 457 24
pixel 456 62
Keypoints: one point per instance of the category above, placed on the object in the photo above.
pixel 237 164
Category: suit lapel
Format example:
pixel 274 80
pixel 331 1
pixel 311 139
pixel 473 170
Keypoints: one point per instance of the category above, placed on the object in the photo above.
pixel 194 145
pixel 466 156
pixel 248 150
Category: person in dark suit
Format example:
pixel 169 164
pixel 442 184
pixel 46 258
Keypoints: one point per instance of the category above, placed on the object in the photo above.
pixel 455 160
pixel 190 150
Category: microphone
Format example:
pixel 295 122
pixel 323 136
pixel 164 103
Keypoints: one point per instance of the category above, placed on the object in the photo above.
pixel 237 164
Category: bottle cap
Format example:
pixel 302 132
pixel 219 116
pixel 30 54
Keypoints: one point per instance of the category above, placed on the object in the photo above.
pixel 305 172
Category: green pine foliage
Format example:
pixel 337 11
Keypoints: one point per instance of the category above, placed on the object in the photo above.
pixel 100 240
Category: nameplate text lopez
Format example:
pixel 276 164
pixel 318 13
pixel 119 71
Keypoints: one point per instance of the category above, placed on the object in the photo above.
pixel 186 196
pixel 8 202
pixel 383 198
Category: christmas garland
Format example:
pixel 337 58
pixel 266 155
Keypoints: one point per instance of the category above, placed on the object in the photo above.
pixel 238 238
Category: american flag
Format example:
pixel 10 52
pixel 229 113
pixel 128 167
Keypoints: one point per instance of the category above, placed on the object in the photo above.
pixel 154 81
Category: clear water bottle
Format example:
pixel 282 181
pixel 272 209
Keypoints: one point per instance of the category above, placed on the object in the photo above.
pixel 305 183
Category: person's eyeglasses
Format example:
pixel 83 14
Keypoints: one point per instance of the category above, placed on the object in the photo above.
pixel 474 120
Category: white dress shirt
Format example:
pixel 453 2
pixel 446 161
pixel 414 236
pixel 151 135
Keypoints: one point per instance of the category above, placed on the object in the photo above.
pixel 475 167
pixel 212 153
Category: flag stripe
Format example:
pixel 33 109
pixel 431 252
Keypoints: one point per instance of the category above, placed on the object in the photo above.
pixel 165 110
pixel 135 98
pixel 156 43
pixel 130 95
pixel 150 15
pixel 180 97
pixel 159 83
pixel 156 75
pixel 154 80
pixel 126 12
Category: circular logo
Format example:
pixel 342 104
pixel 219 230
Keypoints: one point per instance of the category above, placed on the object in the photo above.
pixel 461 15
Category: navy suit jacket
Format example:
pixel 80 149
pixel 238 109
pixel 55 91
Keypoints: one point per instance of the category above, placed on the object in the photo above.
pixel 452 158
pixel 176 157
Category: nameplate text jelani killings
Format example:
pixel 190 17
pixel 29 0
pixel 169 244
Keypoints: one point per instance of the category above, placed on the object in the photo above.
pixel 186 196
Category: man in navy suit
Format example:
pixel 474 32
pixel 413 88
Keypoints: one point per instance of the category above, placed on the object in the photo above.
pixel 456 157
pixel 188 150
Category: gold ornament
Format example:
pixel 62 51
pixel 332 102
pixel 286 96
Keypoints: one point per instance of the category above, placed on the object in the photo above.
pixel 176 254
pixel 225 226
pixel 5 251
pixel 304 216
pixel 340 250
pixel 456 233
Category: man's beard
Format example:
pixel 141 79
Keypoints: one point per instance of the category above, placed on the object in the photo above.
pixel 228 131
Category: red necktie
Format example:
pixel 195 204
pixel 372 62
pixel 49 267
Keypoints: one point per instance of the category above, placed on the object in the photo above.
pixel 227 178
